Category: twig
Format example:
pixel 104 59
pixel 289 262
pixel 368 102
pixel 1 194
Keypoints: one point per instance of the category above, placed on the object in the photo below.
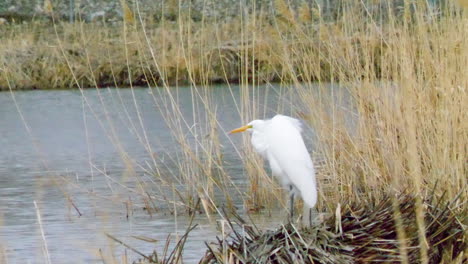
pixel 127 246
pixel 39 220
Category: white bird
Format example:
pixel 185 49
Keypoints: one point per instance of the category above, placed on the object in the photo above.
pixel 279 141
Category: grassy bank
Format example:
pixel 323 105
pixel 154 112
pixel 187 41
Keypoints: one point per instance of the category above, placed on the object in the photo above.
pixel 41 56
pixel 405 72
pixel 290 45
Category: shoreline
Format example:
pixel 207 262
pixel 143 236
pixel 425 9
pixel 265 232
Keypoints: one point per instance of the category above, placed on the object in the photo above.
pixel 41 56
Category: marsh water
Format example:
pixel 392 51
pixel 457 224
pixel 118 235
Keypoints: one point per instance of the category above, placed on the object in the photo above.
pixel 69 151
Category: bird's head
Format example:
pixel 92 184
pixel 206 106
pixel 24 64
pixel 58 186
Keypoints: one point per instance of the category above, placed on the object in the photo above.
pixel 255 125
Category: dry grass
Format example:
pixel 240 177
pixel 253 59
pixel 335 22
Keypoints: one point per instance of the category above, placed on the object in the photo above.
pixel 406 74
pixel 359 233
pixel 82 55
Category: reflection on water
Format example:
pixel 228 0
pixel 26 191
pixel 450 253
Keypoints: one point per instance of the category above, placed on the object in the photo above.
pixel 67 156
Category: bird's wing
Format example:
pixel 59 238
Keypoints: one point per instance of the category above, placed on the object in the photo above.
pixel 287 149
pixel 284 140
pixel 293 121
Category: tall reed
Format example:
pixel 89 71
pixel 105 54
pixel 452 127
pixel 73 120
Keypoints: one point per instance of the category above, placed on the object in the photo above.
pixel 403 69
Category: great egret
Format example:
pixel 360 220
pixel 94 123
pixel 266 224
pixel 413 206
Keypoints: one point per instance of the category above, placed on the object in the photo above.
pixel 279 141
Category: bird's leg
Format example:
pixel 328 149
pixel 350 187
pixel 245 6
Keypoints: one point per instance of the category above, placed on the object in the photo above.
pixel 310 217
pixel 291 200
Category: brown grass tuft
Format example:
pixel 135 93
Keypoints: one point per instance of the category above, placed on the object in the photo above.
pixel 360 233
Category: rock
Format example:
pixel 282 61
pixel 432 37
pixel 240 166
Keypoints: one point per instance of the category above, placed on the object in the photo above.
pixel 96 16
pixel 12 9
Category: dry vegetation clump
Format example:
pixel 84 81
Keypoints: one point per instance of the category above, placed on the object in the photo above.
pixel 359 233
pixel 168 256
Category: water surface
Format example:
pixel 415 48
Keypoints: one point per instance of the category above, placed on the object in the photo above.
pixel 69 151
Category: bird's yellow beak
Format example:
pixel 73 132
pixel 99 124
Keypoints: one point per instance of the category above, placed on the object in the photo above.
pixel 240 129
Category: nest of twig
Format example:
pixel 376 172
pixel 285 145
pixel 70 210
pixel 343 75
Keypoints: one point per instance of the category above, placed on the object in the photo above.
pixel 358 234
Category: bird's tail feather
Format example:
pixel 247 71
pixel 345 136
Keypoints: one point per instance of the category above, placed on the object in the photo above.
pixel 309 197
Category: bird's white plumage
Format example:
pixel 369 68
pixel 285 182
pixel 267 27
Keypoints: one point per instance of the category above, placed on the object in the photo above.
pixel 279 141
